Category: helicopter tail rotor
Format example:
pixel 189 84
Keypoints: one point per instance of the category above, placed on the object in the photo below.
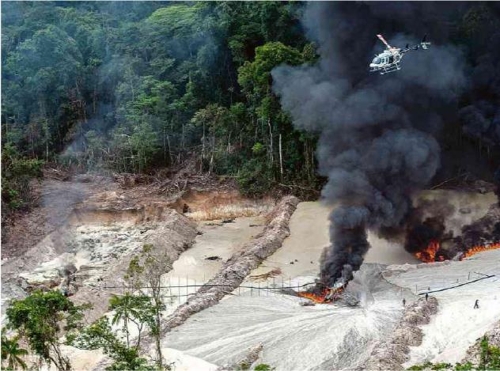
pixel 424 44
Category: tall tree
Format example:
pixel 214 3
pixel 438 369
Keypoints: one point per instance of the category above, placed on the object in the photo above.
pixel 100 335
pixel 12 354
pixel 41 319
pixel 131 308
pixel 146 270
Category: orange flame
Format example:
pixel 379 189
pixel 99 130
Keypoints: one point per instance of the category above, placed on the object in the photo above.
pixel 476 249
pixel 428 255
pixel 326 296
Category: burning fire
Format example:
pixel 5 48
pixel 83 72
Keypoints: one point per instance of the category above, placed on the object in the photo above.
pixel 476 249
pixel 428 255
pixel 326 296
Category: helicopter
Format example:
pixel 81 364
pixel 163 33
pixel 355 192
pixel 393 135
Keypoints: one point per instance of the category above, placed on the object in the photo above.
pixel 389 60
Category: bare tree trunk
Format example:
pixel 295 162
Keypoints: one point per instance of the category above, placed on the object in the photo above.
pixel 308 160
pixel 164 144
pixel 211 166
pixel 157 333
pixel 159 353
pixel 271 150
pixel 169 146
pixel 312 161
pixel 62 363
pixel 84 111
pixel 138 345
pixel 281 158
pixel 202 148
pixel 182 137
pixel 126 332
pixel 46 129
pixel 79 98
pixel 203 142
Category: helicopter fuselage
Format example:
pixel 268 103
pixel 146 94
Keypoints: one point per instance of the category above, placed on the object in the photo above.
pixel 386 62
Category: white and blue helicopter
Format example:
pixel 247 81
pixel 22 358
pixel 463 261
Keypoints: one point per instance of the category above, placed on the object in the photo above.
pixel 389 60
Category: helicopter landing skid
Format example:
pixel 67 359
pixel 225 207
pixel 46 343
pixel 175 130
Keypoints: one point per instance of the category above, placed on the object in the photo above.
pixel 389 69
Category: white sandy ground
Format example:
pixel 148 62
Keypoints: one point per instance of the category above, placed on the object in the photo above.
pixel 180 361
pixel 338 337
pixel 457 325
pixel 82 360
pixel 294 337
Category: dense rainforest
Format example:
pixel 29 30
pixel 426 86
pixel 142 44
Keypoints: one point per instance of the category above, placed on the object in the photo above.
pixel 140 86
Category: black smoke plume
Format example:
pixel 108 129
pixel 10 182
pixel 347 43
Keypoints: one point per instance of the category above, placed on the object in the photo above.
pixel 497 185
pixel 376 143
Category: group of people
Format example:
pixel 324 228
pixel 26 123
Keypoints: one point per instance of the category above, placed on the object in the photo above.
pixel 476 304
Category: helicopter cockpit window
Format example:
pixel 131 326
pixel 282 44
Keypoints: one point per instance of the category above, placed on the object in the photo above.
pixel 377 60
pixel 391 59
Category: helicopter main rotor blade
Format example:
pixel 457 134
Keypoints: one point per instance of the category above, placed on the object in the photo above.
pixel 383 40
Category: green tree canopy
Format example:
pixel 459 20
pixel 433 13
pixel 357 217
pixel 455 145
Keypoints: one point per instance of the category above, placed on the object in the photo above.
pixel 42 318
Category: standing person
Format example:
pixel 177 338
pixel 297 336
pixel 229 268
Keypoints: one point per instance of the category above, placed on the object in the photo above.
pixel 404 302
pixel 426 296
pixel 476 304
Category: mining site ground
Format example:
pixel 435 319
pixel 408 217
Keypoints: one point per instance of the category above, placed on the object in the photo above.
pixel 104 229
pixel 335 336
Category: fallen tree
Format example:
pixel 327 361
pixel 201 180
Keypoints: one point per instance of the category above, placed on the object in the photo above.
pixel 245 363
pixel 234 271
pixel 393 352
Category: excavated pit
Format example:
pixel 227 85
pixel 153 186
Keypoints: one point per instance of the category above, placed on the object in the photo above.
pixel 99 243
pixel 103 230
